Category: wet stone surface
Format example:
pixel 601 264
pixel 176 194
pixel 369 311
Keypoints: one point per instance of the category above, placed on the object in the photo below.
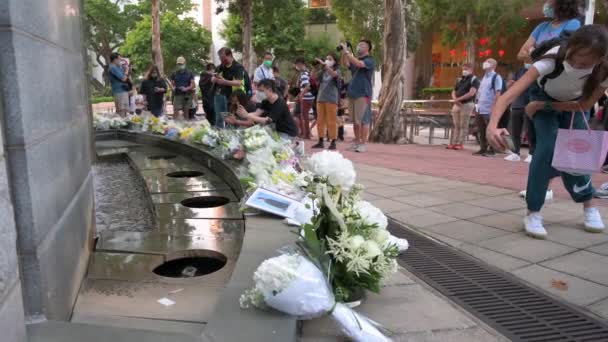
pixel 121 202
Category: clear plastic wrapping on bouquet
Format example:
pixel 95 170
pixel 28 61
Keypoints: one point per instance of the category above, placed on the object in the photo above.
pixel 293 284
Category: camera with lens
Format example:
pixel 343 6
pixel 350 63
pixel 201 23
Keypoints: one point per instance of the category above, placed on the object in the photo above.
pixel 348 44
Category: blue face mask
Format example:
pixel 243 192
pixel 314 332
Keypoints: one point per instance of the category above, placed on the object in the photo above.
pixel 548 11
pixel 527 65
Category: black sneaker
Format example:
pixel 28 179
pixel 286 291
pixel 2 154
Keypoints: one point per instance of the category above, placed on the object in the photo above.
pixel 332 146
pixel 480 153
pixel 319 144
pixel 489 154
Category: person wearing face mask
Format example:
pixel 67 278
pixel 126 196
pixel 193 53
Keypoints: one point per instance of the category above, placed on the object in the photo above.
pixel 272 110
pixel 519 117
pixel 568 78
pixel 561 15
pixel 264 71
pixel 182 84
pixel 490 89
pixel 154 88
pixel 328 98
pixel 360 90
pixel 463 96
pixel 229 76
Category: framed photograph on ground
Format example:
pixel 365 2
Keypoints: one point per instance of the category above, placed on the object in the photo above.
pixel 272 202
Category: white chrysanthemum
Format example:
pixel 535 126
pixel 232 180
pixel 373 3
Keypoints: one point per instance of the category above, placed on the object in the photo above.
pixel 338 170
pixel 381 237
pixel 371 214
pixel 356 241
pixel 372 249
pixel 275 274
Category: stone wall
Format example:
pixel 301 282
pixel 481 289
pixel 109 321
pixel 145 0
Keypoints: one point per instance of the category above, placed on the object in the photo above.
pixel 46 130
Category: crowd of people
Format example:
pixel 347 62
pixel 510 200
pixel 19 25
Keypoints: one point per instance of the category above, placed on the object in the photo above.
pixel 564 73
pixel 232 99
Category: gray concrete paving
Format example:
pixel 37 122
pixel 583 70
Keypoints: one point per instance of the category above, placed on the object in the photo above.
pixel 486 222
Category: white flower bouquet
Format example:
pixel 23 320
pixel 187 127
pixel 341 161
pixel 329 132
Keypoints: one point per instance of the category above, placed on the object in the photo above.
pixel 257 137
pixel 333 168
pixel 294 285
pixel 206 135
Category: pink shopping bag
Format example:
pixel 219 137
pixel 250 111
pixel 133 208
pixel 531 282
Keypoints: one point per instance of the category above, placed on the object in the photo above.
pixel 578 151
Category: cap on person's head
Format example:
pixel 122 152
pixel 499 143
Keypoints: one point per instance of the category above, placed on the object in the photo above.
pixel 181 60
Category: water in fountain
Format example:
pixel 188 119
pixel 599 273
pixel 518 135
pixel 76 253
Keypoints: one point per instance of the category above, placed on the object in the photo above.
pixel 121 203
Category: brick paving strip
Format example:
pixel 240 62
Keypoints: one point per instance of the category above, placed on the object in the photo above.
pixel 472 204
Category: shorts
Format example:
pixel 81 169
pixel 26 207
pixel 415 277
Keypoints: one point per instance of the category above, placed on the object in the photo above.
pixel 182 103
pixel 360 110
pixel 121 101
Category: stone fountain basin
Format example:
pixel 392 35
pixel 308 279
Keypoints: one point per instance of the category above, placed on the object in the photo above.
pixel 121 288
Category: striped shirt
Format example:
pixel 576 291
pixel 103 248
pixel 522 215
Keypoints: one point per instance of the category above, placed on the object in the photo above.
pixel 305 82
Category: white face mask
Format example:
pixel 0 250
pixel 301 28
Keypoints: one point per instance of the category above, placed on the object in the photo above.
pixel 486 65
pixel 261 96
pixel 466 73
pixel 570 70
pixel 329 63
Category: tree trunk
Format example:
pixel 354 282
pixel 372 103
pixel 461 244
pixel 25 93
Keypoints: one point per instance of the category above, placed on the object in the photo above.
pixel 157 54
pixel 247 17
pixel 470 39
pixel 390 125
pixel 409 77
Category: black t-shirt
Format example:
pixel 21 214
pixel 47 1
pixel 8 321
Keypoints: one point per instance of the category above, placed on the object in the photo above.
pixel 206 86
pixel 230 73
pixel 155 100
pixel 280 115
pixel 464 85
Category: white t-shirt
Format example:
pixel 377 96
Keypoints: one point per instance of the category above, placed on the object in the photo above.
pixel 565 87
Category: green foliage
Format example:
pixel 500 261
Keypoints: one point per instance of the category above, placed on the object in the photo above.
pixel 105 27
pixel 278 25
pixel 180 37
pixel 364 19
pixel 320 16
pixel 432 91
pixel 489 18
pixel 312 48
pixel 101 99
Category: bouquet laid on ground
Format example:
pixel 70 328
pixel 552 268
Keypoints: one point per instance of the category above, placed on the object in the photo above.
pixel 293 284
pixel 351 232
pixel 206 135
pixel 101 122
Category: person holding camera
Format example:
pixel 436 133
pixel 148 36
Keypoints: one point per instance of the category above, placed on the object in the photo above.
pixel 119 80
pixel 328 98
pixel 182 83
pixel 360 90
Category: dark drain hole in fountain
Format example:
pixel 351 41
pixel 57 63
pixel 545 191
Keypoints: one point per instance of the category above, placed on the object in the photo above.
pixel 162 157
pixel 191 267
pixel 205 202
pixel 185 174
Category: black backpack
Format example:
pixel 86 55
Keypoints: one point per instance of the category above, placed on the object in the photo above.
pixel 504 84
pixel 544 47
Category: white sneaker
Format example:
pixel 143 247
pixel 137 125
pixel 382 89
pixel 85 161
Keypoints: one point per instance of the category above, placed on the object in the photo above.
pixel 353 147
pixel 548 195
pixel 513 157
pixel 528 159
pixel 533 224
pixel 593 221
pixel 361 148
